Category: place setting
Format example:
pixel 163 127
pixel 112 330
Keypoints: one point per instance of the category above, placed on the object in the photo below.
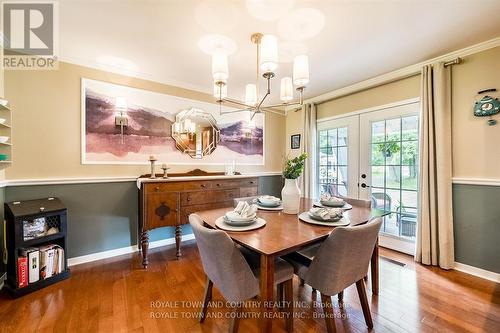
pixel 332 217
pixel 268 202
pixel 329 201
pixel 242 218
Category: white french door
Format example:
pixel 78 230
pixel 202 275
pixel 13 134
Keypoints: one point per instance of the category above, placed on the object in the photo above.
pixel 373 155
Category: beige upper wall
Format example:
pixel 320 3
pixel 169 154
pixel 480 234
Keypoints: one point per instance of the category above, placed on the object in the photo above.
pixel 476 150
pixel 46 125
pixel 385 94
pixel 476 146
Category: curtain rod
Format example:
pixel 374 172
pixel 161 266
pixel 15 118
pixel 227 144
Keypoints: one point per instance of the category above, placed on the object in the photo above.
pixel 455 61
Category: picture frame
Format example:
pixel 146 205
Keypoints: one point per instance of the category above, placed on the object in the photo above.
pixel 295 141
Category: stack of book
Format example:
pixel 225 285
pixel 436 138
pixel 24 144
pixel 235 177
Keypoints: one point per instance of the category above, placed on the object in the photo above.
pixel 39 263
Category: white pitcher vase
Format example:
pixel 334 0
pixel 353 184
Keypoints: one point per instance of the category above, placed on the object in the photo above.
pixel 290 195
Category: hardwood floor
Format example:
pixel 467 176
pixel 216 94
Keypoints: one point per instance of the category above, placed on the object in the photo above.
pixel 117 295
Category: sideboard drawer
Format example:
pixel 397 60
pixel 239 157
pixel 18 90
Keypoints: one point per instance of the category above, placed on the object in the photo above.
pixel 186 211
pixel 232 183
pixel 206 197
pixel 249 182
pixel 197 185
pixel 248 191
pixel 162 187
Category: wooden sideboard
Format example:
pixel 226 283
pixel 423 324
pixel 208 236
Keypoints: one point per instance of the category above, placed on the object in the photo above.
pixel 168 202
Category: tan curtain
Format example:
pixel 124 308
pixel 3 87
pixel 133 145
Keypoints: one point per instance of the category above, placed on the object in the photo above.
pixel 308 180
pixel 435 226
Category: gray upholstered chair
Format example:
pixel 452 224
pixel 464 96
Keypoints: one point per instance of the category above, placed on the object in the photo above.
pixel 234 276
pixel 309 252
pixel 341 261
pixel 249 200
pixel 358 202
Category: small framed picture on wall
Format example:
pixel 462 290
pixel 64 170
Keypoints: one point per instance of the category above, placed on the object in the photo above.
pixel 295 141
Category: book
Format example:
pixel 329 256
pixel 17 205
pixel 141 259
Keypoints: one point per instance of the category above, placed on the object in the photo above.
pixel 22 271
pixel 33 255
pixel 46 261
pixel 60 260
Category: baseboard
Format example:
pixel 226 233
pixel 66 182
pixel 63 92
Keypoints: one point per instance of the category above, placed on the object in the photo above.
pixel 123 250
pixel 479 272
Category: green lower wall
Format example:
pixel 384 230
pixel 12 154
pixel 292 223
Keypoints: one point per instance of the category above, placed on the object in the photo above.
pixel 104 216
pixel 476 215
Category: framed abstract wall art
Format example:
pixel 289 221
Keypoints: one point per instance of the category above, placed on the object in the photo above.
pixel 124 125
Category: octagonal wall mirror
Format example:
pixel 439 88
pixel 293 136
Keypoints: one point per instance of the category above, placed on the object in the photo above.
pixel 195 132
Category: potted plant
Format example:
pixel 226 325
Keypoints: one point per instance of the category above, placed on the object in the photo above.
pixel 290 194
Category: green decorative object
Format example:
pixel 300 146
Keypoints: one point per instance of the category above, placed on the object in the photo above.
pixel 486 107
pixel 3 157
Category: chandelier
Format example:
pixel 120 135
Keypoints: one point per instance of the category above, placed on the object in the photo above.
pixel 267 62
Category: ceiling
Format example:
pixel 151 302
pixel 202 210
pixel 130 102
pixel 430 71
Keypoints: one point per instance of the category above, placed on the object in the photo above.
pixel 347 41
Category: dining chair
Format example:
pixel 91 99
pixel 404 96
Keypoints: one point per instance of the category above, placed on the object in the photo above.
pixel 331 274
pixel 235 277
pixel 307 254
pixel 249 200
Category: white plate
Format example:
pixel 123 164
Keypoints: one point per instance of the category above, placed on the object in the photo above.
pixel 4 139
pixel 304 217
pixel 219 223
pixel 269 202
pixel 317 218
pixel 346 206
pixel 278 208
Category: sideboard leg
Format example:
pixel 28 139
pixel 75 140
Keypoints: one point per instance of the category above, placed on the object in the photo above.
pixel 145 247
pixel 178 235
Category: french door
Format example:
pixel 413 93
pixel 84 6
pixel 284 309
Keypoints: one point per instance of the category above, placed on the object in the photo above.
pixel 374 156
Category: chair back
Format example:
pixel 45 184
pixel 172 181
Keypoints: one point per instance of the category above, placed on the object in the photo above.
pixel 358 202
pixel 343 258
pixel 249 200
pixel 223 262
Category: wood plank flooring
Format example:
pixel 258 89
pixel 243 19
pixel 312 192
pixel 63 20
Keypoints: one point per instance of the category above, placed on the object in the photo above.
pixel 117 295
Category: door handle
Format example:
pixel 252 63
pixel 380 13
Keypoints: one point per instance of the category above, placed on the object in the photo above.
pixel 363 185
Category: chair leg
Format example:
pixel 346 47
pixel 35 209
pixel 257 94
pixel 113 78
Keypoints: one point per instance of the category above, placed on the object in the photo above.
pixel 341 296
pixel 235 319
pixel 326 302
pixel 206 300
pixel 360 285
pixel 288 285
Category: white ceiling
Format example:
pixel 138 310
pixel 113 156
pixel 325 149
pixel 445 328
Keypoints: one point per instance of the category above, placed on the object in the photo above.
pixel 158 40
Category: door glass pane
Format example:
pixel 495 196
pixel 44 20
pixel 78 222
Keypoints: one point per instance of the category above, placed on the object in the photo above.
pixel 378 131
pixel 394 173
pixel 410 128
pixel 333 159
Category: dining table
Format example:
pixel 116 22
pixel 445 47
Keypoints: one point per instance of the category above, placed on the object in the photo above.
pixel 283 234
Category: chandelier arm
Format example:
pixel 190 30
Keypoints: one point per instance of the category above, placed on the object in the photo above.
pixel 266 109
pixel 234 101
pixel 239 110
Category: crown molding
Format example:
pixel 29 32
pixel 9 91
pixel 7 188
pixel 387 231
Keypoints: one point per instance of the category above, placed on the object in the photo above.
pixel 403 73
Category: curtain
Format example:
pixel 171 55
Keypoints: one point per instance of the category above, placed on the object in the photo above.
pixel 435 226
pixel 308 182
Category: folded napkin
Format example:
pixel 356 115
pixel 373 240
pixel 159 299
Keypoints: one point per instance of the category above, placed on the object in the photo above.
pixel 326 213
pixel 243 209
pixel 331 198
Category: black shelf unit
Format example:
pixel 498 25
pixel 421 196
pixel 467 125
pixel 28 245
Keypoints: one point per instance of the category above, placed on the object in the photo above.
pixel 17 212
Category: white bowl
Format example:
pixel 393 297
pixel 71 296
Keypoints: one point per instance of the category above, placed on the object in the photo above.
pixel 4 139
pixel 2 120
pixel 269 200
pixel 332 203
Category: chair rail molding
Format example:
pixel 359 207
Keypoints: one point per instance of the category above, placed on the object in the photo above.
pixel 476 181
pixel 93 180
pixel 402 73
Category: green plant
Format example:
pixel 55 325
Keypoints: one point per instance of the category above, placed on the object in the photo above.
pixel 294 167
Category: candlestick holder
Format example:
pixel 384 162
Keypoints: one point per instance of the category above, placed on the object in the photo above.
pixel 152 160
pixel 164 168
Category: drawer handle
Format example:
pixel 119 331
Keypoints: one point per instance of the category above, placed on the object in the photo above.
pixel 188 198
pixel 203 185
pixel 217 184
pixel 176 210
pixel 157 188
pixel 252 182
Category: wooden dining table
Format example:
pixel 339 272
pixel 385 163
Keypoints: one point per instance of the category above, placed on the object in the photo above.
pixel 283 234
